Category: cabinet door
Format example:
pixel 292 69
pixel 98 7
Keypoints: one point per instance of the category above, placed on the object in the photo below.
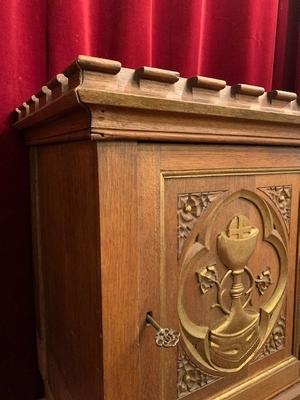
pixel 226 276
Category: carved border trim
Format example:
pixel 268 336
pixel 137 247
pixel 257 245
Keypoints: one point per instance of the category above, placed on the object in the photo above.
pixel 276 340
pixel 189 208
pixel 190 378
pixel 180 174
pixel 281 196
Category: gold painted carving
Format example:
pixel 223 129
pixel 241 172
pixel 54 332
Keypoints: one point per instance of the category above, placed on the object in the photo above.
pixel 237 336
pixel 190 377
pixel 235 339
pixel 207 277
pixel 189 208
pixel 276 340
pixel 263 281
pixel 281 196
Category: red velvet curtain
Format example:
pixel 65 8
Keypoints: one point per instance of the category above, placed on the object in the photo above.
pixel 249 41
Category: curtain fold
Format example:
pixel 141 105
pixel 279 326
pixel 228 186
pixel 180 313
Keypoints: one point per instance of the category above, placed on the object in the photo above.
pixel 286 60
pixel 249 41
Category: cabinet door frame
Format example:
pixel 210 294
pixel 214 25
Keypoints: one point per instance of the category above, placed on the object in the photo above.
pixel 172 162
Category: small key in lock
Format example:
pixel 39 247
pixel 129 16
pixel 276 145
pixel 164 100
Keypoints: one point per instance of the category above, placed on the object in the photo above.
pixel 165 337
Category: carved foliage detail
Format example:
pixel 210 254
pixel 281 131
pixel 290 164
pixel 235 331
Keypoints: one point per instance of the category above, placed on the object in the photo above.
pixel 281 196
pixel 276 340
pixel 190 377
pixel 263 281
pixel 207 277
pixel 189 208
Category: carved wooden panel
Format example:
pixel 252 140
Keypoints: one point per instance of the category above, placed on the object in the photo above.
pixel 229 294
pixel 228 343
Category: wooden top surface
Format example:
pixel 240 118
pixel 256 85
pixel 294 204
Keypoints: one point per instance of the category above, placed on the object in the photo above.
pixel 102 86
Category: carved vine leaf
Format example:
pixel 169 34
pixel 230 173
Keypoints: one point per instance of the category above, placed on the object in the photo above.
pixel 263 281
pixel 190 377
pixel 281 196
pixel 207 277
pixel 189 208
pixel 276 340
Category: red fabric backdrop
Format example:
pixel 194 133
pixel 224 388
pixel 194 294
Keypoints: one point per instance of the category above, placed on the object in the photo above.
pixel 250 41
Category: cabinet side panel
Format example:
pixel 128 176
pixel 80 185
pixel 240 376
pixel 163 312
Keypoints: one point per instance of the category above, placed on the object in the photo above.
pixel 68 203
pixel 39 284
pixel 119 269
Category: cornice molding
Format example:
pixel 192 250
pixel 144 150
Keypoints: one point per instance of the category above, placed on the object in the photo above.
pixel 96 84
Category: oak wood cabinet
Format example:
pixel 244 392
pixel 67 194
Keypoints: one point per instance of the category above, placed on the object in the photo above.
pixel 159 198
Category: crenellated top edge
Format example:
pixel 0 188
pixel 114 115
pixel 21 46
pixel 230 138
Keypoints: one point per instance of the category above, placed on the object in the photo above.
pixel 87 76
pixel 249 90
pixel 157 74
pixel 93 64
pixel 282 95
pixel 57 80
pixel 206 83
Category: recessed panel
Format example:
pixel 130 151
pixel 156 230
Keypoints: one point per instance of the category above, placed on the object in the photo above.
pixel 229 269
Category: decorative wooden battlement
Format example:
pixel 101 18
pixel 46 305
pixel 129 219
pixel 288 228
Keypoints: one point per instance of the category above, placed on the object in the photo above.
pixel 104 91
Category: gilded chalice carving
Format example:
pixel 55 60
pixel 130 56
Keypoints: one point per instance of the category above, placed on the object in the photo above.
pixel 237 334
pixel 228 343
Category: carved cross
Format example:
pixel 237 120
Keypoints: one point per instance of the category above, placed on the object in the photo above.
pixel 239 227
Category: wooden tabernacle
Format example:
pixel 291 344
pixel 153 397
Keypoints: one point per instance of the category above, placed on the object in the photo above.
pixel 165 222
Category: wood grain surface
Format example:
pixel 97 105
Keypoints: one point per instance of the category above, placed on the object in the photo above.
pixel 130 170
